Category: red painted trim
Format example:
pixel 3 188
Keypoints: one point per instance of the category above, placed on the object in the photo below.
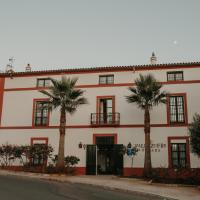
pixel 104 135
pixel 180 82
pixel 127 171
pixel 165 67
pixel 185 109
pixel 187 149
pixel 89 126
pixel 136 171
pixel 80 170
pixel 165 173
pixel 22 89
pixel 78 86
pixel 37 169
pixel 106 85
pixel 33 112
pixel 2 83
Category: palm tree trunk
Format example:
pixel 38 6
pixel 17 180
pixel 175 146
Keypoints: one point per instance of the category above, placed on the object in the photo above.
pixel 61 155
pixel 147 157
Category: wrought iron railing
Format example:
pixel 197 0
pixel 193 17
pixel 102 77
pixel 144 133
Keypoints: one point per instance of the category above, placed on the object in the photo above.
pixel 105 119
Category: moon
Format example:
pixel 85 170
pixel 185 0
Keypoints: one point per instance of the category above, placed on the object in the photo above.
pixel 175 42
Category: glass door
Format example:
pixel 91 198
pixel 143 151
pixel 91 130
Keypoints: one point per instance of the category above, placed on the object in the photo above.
pixel 105 110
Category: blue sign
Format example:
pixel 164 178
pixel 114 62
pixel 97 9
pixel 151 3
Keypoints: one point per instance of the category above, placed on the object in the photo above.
pixel 131 151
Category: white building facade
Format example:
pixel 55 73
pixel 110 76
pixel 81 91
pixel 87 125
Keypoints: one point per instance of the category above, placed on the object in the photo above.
pixel 98 128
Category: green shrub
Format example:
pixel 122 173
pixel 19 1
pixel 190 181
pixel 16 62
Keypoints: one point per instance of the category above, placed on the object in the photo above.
pixel 71 161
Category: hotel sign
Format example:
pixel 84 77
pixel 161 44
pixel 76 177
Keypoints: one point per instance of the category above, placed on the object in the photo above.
pixel 157 147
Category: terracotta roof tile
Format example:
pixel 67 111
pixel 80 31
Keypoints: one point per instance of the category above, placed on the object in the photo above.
pixel 105 68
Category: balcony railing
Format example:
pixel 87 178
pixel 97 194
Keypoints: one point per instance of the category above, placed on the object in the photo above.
pixel 100 119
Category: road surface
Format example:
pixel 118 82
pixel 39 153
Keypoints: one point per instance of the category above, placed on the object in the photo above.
pixel 18 188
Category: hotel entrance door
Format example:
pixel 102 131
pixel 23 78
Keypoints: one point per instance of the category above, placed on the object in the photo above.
pixel 105 157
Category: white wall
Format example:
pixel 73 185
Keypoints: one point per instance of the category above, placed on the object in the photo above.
pixel 18 106
pixel 18 109
pixel 124 135
pixel 93 78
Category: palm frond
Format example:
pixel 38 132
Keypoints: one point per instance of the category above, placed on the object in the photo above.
pixel 63 93
pixel 160 98
pixel 46 93
pixel 133 90
pixel 73 82
pixel 72 105
pixel 54 81
pixel 147 92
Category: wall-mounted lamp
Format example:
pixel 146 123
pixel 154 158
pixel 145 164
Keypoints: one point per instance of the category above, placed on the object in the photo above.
pixel 129 145
pixel 80 145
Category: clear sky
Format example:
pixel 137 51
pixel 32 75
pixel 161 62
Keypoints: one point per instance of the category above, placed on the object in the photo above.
pixel 68 33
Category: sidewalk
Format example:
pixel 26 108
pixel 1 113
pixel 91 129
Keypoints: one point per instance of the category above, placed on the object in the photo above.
pixel 127 184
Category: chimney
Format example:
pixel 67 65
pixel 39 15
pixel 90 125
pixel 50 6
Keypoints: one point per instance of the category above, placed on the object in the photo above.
pixel 28 68
pixel 153 59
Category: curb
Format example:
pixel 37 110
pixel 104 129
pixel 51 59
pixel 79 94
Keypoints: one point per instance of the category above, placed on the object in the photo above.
pixel 124 190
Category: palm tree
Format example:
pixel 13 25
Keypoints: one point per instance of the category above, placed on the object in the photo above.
pixel 65 96
pixel 146 94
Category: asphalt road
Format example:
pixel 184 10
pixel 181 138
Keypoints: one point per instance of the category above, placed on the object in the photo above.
pixel 17 188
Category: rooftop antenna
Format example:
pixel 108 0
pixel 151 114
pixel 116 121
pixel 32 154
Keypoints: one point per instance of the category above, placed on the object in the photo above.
pixel 11 60
pixel 9 66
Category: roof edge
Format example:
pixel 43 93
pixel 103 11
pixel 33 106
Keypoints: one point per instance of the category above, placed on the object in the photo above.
pixel 104 69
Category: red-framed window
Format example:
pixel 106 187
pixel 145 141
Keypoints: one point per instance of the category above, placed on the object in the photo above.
pixel 175 76
pixel 177 109
pixel 43 82
pixel 39 160
pixel 41 112
pixel 105 104
pixel 178 150
pixel 105 109
pixel 106 79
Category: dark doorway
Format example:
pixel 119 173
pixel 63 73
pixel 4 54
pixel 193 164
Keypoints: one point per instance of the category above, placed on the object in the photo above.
pixel 107 155
pixel 91 160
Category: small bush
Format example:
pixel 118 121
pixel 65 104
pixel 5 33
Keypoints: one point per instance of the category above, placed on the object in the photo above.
pixel 71 161
pixel 51 169
pixel 177 176
pixel 25 154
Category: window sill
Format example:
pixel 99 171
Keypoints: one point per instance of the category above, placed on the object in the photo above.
pixel 105 125
pixel 45 126
pixel 105 84
pixel 175 82
pixel 178 124
pixel 39 88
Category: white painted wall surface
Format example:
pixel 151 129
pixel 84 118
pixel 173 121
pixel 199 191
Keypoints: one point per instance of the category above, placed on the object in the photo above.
pixel 18 106
pixel 124 135
pixel 93 78
pixel 18 109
